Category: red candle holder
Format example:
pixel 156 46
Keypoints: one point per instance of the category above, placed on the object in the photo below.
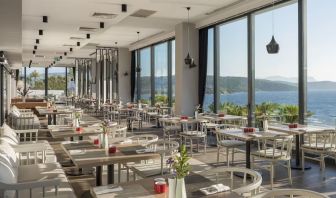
pixel 160 187
pixel 96 141
pixel 112 149
pixel 221 115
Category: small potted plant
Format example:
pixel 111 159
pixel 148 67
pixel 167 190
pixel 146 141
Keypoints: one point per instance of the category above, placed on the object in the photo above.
pixel 76 120
pixel 197 109
pixel 104 136
pixel 23 93
pixel 181 168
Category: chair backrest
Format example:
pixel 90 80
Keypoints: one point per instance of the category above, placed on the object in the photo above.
pixel 144 139
pixel 118 131
pixel 219 128
pixel 193 125
pixel 273 147
pixel 9 135
pixel 8 163
pixel 164 147
pixel 321 140
pixel 290 193
pixel 249 186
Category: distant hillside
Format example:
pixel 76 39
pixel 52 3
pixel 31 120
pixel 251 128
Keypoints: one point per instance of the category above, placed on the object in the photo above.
pixel 239 84
pixel 322 85
pixel 288 79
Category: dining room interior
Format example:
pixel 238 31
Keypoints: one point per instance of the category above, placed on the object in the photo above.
pixel 167 98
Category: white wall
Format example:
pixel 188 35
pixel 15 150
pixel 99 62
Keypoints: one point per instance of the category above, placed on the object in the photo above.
pixel 186 78
pixel 124 81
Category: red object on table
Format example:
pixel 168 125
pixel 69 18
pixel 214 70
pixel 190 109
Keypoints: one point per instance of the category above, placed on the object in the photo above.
pixel 184 117
pixel 112 149
pixel 221 115
pixel 292 126
pixel 96 141
pixel 79 129
pixel 160 187
pixel 249 130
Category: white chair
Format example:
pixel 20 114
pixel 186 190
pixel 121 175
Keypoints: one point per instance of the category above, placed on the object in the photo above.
pixel 170 128
pixel 276 154
pixel 224 142
pixel 143 139
pixel 194 130
pixel 290 193
pixel 320 144
pixel 248 187
pixel 146 169
pixel 135 119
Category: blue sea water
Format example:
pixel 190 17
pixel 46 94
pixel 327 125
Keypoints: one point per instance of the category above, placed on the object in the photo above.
pixel 321 103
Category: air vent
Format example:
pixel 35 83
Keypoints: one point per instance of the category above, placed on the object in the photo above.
pixel 104 15
pixel 76 38
pixel 90 46
pixel 143 13
pixel 39 56
pixel 87 29
pixel 69 45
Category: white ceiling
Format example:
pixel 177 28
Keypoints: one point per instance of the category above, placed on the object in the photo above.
pixel 66 16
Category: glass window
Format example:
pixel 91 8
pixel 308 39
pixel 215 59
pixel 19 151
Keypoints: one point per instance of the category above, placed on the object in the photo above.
pixel 56 82
pixel 161 72
pixel 232 82
pixel 36 81
pixel 276 82
pixel 145 75
pixel 208 103
pixel 321 69
pixel 173 70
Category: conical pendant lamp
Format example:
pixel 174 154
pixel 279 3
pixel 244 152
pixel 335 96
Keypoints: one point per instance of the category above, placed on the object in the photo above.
pixel 188 60
pixel 273 47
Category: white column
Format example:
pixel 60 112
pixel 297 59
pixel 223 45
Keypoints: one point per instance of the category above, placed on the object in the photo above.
pixel 104 80
pixel 76 79
pixel 124 61
pixel 186 78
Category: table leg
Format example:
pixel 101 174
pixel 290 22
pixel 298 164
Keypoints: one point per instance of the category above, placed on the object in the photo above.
pixel 110 174
pixel 99 177
pixel 80 137
pixel 49 119
pixel 248 154
pixel 297 165
pixel 54 119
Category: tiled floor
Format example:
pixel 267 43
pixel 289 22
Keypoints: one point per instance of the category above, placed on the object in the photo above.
pixel 310 179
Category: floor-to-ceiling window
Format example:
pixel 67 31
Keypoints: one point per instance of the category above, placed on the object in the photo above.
pixel 321 67
pixel 154 74
pixel 208 103
pixel 173 70
pixel 161 72
pixel 232 81
pixel 35 80
pixel 276 75
pixel 145 75
pixel 56 82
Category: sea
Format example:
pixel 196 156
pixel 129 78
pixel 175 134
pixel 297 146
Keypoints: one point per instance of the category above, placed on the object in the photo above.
pixel 321 103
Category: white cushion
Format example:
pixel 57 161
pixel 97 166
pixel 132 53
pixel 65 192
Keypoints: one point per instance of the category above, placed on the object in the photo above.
pixel 230 143
pixel 9 135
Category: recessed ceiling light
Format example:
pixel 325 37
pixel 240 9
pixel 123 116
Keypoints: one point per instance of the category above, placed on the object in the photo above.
pixel 88 36
pixel 37 41
pixel 35 47
pixel 40 32
pixel 104 15
pixel 87 29
pixel 78 43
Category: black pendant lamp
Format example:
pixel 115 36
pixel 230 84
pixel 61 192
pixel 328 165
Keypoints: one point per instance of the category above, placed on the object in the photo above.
pixel 188 59
pixel 138 68
pixel 273 47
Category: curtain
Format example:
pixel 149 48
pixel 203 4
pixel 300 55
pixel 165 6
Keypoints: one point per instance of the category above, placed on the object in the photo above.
pixel 203 64
pixel 133 75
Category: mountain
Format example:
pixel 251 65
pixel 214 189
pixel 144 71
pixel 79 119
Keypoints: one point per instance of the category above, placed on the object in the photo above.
pixel 239 84
pixel 322 85
pixel 288 79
